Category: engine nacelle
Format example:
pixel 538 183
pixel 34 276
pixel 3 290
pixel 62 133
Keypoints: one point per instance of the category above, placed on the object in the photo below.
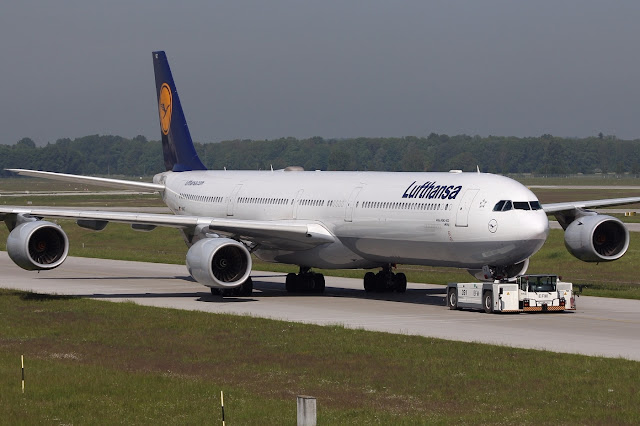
pixel 597 238
pixel 219 262
pixel 38 245
pixel 490 273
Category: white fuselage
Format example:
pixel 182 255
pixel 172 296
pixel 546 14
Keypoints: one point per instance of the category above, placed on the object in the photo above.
pixel 438 219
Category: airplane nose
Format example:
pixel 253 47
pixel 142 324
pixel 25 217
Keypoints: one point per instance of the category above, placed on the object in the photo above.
pixel 536 226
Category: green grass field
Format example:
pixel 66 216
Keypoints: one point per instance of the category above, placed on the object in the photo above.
pixel 22 184
pixel 99 362
pixel 103 363
pixel 578 180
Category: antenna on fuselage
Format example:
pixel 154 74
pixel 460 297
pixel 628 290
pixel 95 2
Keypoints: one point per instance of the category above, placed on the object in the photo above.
pixel 478 168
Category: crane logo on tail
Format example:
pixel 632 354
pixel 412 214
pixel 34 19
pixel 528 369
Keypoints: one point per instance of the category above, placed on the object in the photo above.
pixel 164 108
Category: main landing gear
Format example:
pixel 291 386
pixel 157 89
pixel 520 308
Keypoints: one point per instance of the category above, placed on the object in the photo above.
pixel 244 289
pixel 385 280
pixel 305 281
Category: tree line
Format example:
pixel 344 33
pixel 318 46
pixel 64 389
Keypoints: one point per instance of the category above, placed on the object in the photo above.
pixel 544 155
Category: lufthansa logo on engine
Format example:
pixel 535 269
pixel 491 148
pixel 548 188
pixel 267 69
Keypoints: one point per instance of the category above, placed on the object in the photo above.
pixel 165 108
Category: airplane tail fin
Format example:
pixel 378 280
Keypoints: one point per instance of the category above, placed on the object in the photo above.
pixel 177 146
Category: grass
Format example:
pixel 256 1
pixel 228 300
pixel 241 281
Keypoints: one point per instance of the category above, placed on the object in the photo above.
pixel 611 279
pixel 561 195
pixel 579 180
pixel 22 184
pixel 99 362
pixel 627 219
pixel 92 200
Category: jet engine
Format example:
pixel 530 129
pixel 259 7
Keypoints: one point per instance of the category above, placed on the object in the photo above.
pixel 596 238
pixel 219 262
pixel 38 245
pixel 490 273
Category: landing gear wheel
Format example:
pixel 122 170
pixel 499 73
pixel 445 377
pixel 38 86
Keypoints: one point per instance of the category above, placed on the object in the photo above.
pixel 369 281
pixel 246 288
pixel 452 299
pixel 487 302
pixel 401 282
pixel 305 282
pixel 385 280
pixel 291 281
pixel 318 283
pixel 215 291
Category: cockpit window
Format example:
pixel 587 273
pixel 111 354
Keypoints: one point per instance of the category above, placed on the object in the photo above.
pixel 521 205
pixel 502 206
pixel 506 205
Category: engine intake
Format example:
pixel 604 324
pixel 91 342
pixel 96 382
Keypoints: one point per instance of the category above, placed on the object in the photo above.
pixel 38 245
pixel 219 262
pixel 597 238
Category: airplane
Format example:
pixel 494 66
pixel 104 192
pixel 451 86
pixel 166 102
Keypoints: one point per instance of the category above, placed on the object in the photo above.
pixel 488 224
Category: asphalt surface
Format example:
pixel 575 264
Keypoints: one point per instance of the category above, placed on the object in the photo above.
pixel 600 326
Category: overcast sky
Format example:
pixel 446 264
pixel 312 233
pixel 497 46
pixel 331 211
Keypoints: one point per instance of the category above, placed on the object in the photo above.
pixel 270 69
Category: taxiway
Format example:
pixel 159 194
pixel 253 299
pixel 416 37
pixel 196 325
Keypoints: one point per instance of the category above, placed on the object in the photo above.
pixel 600 326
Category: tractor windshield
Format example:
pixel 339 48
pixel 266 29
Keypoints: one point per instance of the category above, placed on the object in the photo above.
pixel 537 283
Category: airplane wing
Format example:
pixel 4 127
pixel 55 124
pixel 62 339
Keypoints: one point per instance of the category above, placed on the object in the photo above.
pixel 279 234
pixel 90 180
pixel 565 213
pixel 575 205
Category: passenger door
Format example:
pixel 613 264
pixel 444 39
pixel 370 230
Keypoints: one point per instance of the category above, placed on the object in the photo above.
pixel 462 215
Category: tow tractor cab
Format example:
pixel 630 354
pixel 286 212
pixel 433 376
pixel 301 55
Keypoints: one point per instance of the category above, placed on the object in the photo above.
pixel 529 293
